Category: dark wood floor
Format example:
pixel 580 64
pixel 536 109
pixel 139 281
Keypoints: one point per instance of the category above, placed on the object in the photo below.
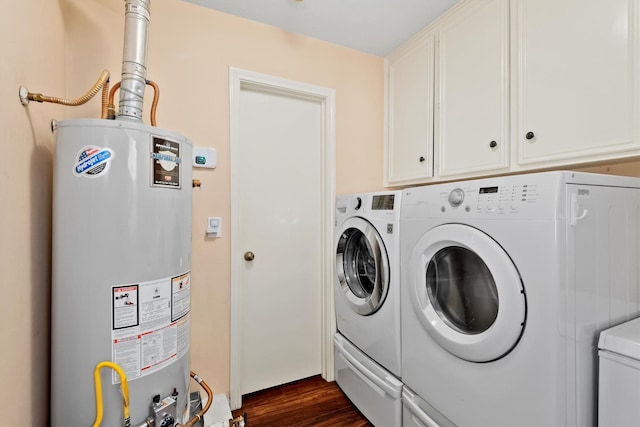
pixel 311 402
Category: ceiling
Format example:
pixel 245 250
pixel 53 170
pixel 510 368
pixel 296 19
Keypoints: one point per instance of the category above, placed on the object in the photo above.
pixel 372 26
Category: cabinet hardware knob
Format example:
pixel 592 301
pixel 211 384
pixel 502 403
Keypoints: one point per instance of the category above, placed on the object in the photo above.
pixel 421 159
pixel 493 144
pixel 530 135
pixel 249 256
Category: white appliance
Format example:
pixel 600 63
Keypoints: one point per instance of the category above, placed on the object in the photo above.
pixel 121 263
pixel 375 392
pixel 418 413
pixel 619 375
pixel 121 289
pixel 367 297
pixel 506 283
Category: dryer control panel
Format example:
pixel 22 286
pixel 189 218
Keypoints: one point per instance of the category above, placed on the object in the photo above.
pixel 494 198
pixel 516 197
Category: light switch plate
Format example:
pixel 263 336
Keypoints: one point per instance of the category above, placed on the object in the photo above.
pixel 214 226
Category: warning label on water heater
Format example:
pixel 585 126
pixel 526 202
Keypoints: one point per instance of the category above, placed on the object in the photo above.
pixel 165 158
pixel 150 324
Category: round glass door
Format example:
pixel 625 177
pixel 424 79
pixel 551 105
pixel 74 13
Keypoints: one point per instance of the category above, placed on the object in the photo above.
pixel 467 293
pixel 462 290
pixel 362 266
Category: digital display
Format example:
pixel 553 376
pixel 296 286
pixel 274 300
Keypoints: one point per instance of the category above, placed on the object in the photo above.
pixel 382 202
pixel 488 190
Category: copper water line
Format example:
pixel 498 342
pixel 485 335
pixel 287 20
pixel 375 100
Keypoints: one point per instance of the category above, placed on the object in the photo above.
pixel 200 414
pixel 156 98
pixel 111 107
pixel 154 105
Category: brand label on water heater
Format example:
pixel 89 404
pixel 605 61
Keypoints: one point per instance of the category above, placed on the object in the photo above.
pixel 150 324
pixel 165 158
pixel 92 161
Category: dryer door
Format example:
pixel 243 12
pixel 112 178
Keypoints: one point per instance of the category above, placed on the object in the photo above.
pixel 467 292
pixel 362 266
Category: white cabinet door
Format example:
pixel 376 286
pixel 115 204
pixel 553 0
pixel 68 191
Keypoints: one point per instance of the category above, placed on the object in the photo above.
pixel 409 148
pixel 472 98
pixel 577 80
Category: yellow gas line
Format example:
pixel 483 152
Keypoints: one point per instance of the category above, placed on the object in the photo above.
pixel 124 387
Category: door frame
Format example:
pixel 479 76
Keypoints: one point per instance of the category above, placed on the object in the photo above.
pixel 242 79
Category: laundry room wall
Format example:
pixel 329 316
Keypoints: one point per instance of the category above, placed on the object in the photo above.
pixel 190 51
pixel 32 55
pixel 629 168
pixel 60 48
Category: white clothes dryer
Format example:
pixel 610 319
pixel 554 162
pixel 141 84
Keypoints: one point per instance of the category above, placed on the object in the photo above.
pixel 418 413
pixel 367 302
pixel 506 283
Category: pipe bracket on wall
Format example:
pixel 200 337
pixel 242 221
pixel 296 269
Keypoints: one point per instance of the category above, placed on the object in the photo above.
pixel 23 93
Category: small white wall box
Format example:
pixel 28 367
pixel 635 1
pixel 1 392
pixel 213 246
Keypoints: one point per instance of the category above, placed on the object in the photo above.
pixel 214 226
pixel 205 157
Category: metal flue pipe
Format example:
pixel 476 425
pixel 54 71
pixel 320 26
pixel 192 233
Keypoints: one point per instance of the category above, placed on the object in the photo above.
pixel 134 58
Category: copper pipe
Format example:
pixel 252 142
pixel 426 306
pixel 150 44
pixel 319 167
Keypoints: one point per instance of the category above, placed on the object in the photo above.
pixel 156 98
pixel 154 106
pixel 102 80
pixel 200 414
pixel 111 107
pixel 112 93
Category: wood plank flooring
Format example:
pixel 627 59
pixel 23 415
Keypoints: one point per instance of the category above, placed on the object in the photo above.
pixel 311 402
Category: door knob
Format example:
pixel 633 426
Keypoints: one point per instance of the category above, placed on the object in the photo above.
pixel 249 256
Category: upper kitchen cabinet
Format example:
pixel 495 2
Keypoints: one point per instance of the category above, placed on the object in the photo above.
pixel 576 81
pixel 409 143
pixel 472 89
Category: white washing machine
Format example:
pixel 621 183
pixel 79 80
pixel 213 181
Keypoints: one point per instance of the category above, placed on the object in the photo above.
pixel 506 283
pixel 367 302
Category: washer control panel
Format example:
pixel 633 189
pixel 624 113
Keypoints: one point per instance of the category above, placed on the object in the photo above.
pixel 384 206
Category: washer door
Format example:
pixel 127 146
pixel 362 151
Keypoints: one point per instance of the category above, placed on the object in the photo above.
pixel 467 293
pixel 362 266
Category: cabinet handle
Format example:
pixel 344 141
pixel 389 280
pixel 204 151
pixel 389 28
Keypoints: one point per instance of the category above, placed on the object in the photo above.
pixel 530 135
pixel 493 144
pixel 421 159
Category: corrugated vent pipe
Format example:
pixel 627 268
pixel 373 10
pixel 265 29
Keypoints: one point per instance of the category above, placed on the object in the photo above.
pixel 134 58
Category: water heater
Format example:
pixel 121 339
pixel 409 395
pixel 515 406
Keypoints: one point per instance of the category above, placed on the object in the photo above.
pixel 121 269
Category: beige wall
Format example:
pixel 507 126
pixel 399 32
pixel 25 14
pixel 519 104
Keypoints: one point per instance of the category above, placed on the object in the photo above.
pixel 629 168
pixel 32 35
pixel 190 51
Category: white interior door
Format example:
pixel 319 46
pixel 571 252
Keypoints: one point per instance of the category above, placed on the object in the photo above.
pixel 280 227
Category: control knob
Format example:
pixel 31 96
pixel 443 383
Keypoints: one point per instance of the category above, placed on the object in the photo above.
pixel 456 197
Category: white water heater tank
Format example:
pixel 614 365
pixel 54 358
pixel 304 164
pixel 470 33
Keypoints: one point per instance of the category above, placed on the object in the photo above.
pixel 121 268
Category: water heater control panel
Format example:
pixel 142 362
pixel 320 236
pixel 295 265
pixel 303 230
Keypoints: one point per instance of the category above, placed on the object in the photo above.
pixel 205 157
